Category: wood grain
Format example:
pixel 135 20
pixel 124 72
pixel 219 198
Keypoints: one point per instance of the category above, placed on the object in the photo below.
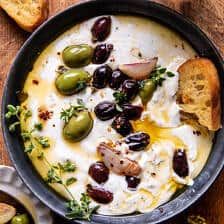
pixel 208 14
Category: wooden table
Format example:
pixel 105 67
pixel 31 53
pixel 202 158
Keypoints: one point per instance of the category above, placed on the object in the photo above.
pixel 208 14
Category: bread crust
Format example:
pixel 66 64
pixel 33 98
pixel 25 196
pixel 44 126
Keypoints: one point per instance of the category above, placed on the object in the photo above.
pixel 31 24
pixel 209 71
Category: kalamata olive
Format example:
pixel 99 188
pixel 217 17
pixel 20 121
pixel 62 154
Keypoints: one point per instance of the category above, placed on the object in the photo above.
pixel 72 81
pixel 99 172
pixel 146 91
pixel 117 78
pixel 131 112
pixel 122 125
pixel 130 89
pixel 105 110
pixel 78 127
pixel 101 53
pixel 180 164
pixel 132 182
pixel 137 141
pixel 99 194
pixel 101 28
pixel 101 76
pixel 77 55
pixel 20 219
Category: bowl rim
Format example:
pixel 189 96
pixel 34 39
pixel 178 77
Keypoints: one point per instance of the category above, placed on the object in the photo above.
pixel 173 20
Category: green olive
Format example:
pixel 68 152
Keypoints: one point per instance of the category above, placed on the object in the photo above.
pixel 20 219
pixel 72 81
pixel 78 127
pixel 146 91
pixel 77 55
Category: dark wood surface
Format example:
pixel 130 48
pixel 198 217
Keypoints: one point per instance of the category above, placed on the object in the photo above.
pixel 208 14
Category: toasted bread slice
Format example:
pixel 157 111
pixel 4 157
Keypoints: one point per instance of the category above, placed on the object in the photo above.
pixel 28 14
pixel 6 213
pixel 199 92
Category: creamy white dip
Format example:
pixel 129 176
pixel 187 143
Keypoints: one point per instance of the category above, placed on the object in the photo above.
pixel 161 119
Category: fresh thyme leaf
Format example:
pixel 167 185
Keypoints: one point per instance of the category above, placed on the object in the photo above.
pixel 29 148
pixel 82 210
pixel 67 166
pixel 70 181
pixel 52 177
pixel 162 70
pixel 12 111
pixel 27 114
pixel 43 141
pixel 158 75
pixel 26 135
pixel 119 97
pixel 170 74
pixel 38 126
pixel 12 127
pixel 66 114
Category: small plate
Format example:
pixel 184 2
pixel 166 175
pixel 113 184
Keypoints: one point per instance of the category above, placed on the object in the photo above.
pixel 11 184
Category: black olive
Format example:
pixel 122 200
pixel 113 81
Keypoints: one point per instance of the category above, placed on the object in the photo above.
pixel 130 89
pixel 101 53
pixel 117 79
pixel 101 76
pixel 180 164
pixel 99 172
pixel 105 110
pixel 132 112
pixel 99 194
pixel 101 29
pixel 122 125
pixel 137 141
pixel 132 182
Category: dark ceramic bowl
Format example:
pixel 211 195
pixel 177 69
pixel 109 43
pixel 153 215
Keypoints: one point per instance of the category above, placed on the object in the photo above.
pixel 48 32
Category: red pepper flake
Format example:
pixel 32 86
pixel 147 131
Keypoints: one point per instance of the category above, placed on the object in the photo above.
pixel 35 82
pixel 44 114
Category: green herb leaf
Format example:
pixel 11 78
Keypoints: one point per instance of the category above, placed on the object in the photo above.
pixel 29 148
pixel 12 111
pixel 52 177
pixel 170 74
pixel 82 210
pixel 27 114
pixel 12 127
pixel 66 114
pixel 67 166
pixel 26 135
pixel 162 70
pixel 158 75
pixel 70 181
pixel 38 126
pixel 119 97
pixel 43 141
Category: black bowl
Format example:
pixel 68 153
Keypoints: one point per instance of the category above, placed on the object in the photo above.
pixel 48 32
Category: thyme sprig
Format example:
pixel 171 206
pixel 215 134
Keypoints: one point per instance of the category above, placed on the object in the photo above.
pixel 73 110
pixel 67 166
pixel 119 97
pixel 158 75
pixel 76 210
pixel 13 113
pixel 82 209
